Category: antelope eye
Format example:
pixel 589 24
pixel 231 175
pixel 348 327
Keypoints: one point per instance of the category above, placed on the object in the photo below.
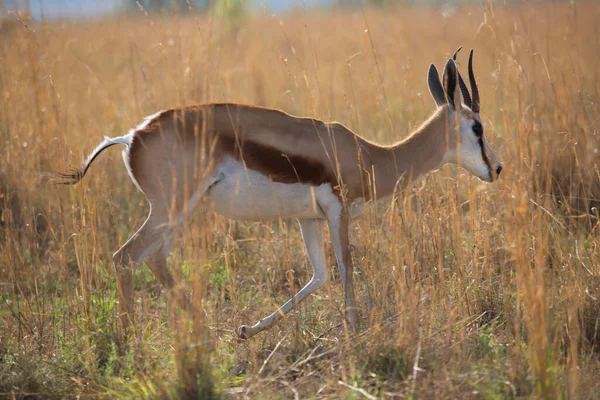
pixel 478 129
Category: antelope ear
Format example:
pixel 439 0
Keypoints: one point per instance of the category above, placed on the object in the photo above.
pixel 435 86
pixel 451 85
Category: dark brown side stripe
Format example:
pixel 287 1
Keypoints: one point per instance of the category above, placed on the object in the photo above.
pixel 279 167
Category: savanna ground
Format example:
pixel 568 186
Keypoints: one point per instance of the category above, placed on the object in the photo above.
pixel 466 289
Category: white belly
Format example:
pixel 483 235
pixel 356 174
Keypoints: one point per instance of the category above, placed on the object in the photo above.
pixel 248 195
pixel 245 194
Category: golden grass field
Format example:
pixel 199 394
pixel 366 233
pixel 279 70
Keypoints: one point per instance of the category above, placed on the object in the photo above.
pixel 466 289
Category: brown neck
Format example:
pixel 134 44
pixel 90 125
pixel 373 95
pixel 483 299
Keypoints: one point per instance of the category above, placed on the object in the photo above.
pixel 409 160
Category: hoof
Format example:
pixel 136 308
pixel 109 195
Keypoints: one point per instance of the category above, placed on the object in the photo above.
pixel 242 332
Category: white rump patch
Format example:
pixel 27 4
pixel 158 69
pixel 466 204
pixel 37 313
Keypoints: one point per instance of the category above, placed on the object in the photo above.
pixel 126 139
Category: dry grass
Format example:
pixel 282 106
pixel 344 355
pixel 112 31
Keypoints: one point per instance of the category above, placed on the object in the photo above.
pixel 492 291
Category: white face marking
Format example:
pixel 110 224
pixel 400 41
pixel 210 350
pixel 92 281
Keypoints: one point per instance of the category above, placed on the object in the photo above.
pixel 468 151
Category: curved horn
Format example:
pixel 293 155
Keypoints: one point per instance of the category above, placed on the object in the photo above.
pixel 474 90
pixel 462 84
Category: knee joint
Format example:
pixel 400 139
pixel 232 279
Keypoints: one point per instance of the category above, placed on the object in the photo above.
pixel 121 259
pixel 320 279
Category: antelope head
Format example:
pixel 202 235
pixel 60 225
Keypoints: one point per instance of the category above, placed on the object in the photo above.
pixel 466 143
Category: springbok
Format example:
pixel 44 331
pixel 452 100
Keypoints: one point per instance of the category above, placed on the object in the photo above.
pixel 254 163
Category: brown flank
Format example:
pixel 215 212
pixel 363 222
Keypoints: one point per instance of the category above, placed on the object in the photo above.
pixel 231 140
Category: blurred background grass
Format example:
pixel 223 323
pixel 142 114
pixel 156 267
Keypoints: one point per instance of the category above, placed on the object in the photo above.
pixel 470 289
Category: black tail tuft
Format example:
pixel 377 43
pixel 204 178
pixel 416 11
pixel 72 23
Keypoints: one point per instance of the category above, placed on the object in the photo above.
pixel 70 177
pixel 74 175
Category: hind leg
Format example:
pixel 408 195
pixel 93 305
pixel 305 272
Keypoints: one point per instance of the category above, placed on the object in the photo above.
pixel 158 265
pixel 152 242
pixel 146 242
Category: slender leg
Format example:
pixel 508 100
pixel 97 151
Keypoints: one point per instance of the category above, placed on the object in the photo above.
pixel 153 242
pixel 147 241
pixel 338 221
pixel 312 234
pixel 158 265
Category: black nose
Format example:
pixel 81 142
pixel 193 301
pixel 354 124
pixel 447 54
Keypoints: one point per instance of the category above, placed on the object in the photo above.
pixel 498 170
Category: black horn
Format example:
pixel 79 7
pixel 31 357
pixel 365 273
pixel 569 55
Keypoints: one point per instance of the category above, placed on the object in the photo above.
pixel 463 86
pixel 474 90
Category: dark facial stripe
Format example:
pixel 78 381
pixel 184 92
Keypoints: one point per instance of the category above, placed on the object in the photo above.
pixel 486 160
pixel 477 128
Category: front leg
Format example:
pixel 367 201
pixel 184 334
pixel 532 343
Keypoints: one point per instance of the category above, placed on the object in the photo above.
pixel 312 235
pixel 338 220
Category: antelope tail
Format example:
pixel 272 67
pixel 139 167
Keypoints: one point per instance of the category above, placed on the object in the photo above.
pixel 74 175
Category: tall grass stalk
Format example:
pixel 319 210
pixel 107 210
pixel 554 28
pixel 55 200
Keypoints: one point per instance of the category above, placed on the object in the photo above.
pixel 489 290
